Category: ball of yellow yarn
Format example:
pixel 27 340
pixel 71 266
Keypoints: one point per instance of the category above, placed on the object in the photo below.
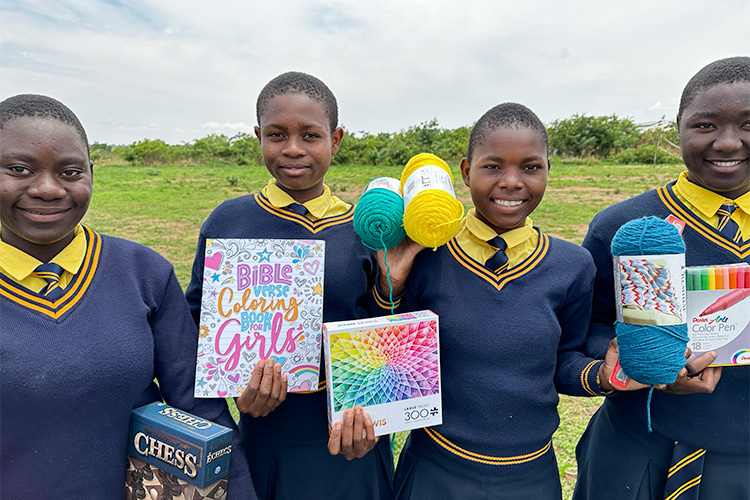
pixel 432 215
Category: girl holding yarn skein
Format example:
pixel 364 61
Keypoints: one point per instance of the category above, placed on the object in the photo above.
pixel 514 307
pixel 700 444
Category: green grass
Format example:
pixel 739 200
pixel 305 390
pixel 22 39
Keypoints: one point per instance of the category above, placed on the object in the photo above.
pixel 164 206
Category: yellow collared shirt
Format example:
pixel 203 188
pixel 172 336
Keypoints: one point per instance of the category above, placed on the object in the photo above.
pixel 18 265
pixel 473 235
pixel 325 205
pixel 704 203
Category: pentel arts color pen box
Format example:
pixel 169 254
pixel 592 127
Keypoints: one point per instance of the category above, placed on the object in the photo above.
pixel 718 312
pixel 190 447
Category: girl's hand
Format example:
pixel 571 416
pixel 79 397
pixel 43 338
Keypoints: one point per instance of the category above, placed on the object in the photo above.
pixel 348 438
pixel 400 259
pixel 697 377
pixel 265 391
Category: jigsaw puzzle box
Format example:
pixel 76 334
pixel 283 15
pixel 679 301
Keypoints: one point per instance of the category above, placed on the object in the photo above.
pixel 389 365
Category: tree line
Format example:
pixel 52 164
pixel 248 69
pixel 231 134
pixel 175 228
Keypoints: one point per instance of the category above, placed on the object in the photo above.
pixel 578 139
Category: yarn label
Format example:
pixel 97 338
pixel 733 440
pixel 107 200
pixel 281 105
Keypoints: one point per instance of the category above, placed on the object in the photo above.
pixel 427 177
pixel 389 365
pixel 718 311
pixel 388 183
pixel 650 289
pixel 262 298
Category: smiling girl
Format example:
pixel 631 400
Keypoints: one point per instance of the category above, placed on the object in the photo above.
pixel 702 420
pixel 514 307
pixel 88 321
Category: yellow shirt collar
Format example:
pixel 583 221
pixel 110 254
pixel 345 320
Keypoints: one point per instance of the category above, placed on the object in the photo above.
pixel 18 265
pixel 473 236
pixel 706 201
pixel 484 233
pixel 325 205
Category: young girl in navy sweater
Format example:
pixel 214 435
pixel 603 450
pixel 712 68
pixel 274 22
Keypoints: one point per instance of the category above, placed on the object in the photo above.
pixel 88 322
pixel 514 306
pixel 706 409
pixel 285 435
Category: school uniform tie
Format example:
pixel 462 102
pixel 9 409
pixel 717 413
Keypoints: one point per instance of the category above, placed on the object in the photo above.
pixel 51 274
pixel 728 227
pixel 298 208
pixel 685 472
pixel 498 262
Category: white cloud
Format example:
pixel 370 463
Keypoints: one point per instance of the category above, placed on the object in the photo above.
pixel 230 128
pixel 180 65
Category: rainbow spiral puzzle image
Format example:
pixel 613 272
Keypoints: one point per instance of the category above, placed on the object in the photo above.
pixel 388 365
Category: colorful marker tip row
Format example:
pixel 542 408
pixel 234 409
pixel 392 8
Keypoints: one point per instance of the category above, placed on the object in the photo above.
pixel 717 278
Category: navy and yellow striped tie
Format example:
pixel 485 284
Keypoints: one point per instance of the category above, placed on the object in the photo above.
pixel 51 274
pixel 684 477
pixel 298 208
pixel 727 226
pixel 499 261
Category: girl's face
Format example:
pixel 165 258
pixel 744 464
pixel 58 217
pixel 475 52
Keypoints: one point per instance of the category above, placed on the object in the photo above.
pixel 297 144
pixel 715 139
pixel 46 181
pixel 507 176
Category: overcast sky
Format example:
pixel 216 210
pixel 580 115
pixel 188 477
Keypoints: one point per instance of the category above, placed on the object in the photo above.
pixel 179 70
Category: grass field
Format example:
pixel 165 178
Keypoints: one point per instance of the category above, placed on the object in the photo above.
pixel 164 206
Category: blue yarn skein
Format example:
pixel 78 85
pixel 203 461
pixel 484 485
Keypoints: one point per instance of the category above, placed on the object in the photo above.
pixel 650 354
pixel 379 218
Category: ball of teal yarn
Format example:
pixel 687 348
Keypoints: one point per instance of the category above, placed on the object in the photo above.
pixel 379 218
pixel 647 236
pixel 651 354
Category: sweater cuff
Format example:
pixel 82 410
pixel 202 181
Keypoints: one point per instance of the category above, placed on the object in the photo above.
pixel 590 378
pixel 383 299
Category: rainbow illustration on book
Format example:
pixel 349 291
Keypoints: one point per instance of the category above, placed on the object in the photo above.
pixel 385 364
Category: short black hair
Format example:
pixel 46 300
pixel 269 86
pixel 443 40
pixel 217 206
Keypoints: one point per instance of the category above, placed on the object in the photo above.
pixel 729 70
pixel 39 106
pixel 506 115
pixel 295 82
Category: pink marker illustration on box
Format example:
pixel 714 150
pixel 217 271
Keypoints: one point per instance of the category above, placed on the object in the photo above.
pixel 262 298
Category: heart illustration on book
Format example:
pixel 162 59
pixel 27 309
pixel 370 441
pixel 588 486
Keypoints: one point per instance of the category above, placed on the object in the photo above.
pixel 234 378
pixel 214 262
pixel 311 267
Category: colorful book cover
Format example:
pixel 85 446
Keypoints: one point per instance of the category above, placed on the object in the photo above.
pixel 388 365
pixel 718 311
pixel 262 298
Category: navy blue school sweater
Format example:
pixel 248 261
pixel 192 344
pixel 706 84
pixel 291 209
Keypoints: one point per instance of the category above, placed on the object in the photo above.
pixel 350 270
pixel 719 421
pixel 509 342
pixel 71 372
